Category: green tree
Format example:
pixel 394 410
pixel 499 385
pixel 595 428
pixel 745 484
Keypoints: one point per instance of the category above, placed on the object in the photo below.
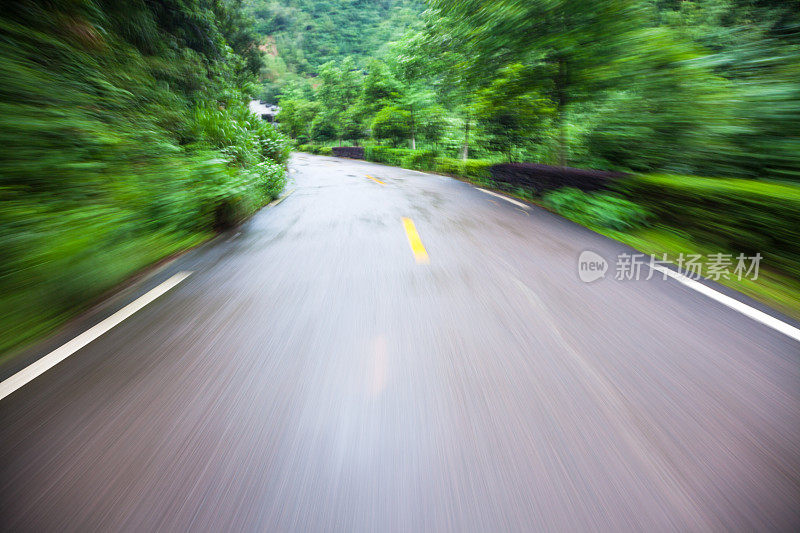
pixel 351 125
pixel 339 85
pixel 576 43
pixel 510 113
pixel 325 126
pixel 296 116
pixel 392 123
pixel 429 55
pixel 379 90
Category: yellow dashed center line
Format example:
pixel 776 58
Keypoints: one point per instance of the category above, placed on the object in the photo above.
pixel 376 180
pixel 420 255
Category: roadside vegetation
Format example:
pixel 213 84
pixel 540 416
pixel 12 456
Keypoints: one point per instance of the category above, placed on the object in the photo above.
pixel 124 137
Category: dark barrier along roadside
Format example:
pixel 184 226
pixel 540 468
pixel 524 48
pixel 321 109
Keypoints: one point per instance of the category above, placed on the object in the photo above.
pixel 353 152
pixel 543 178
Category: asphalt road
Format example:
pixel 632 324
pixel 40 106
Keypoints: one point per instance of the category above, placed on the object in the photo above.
pixel 311 375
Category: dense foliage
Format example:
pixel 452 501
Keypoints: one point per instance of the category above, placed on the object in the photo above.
pixel 703 87
pixel 124 136
pixel 299 36
pixel 745 216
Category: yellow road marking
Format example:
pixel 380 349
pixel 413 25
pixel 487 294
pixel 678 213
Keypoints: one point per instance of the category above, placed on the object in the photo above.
pixel 420 255
pixel 376 180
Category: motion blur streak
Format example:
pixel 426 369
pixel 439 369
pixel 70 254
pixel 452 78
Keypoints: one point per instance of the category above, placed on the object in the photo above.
pixel 310 376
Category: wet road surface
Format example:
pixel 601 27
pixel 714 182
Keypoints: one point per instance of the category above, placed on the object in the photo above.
pixel 317 373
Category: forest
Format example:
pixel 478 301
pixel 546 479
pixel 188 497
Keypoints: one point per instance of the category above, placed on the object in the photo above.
pixel 703 87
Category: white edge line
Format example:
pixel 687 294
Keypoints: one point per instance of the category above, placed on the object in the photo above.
pixel 36 369
pixel 507 199
pixel 736 305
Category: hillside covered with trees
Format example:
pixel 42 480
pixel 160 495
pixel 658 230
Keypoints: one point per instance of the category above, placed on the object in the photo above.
pixel 298 36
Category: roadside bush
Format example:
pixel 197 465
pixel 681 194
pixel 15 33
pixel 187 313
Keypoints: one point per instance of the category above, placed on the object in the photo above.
pixel 597 209
pixel 477 168
pixel 392 123
pixel 315 149
pixel 449 165
pixel 386 155
pixel 744 216
pixel 542 178
pixel 111 158
pixel 419 159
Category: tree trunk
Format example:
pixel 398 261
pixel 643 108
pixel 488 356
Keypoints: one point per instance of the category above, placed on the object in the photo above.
pixel 465 149
pixel 413 127
pixel 561 100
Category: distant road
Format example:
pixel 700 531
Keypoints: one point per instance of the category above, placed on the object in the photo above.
pixel 386 350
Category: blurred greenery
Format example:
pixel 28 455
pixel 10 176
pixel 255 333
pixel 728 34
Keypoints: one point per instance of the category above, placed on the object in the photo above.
pixel 703 87
pixel 601 208
pixel 746 216
pixel 299 36
pixel 124 137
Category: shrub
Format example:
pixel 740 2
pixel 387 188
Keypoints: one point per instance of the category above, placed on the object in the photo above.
pixel 113 159
pixel 314 149
pixel 324 127
pixel 353 152
pixel 599 209
pixel 477 168
pixel 418 159
pixel 744 216
pixel 386 155
pixel 542 178
pixel 449 165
